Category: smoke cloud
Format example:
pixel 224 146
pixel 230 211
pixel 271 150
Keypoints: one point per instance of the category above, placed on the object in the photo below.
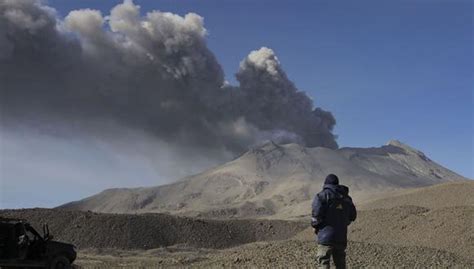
pixel 96 75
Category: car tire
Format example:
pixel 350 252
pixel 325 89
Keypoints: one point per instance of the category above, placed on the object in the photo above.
pixel 60 262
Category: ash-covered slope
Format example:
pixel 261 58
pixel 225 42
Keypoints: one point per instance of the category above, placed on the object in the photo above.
pixel 276 180
pixel 452 194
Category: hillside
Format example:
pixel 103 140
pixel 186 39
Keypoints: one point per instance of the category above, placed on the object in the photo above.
pixel 147 231
pixel 433 197
pixel 276 180
pixel 449 229
pixel 439 217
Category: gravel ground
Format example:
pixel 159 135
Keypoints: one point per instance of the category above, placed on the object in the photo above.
pixel 277 254
pixel 402 237
pixel 148 231
pixel 450 229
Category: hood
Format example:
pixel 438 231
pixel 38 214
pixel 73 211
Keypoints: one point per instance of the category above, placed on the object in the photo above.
pixel 339 190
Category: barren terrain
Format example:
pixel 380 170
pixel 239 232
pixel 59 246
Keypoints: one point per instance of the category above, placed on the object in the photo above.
pixel 124 231
pixel 277 254
pixel 406 235
pixel 434 197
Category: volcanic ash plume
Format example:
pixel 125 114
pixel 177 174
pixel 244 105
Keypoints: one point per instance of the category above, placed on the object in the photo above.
pixel 90 74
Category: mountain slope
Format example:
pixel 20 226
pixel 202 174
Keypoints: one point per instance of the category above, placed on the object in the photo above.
pixel 439 217
pixel 451 194
pixel 278 180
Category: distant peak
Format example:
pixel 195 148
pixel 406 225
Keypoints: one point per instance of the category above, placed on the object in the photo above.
pixel 398 144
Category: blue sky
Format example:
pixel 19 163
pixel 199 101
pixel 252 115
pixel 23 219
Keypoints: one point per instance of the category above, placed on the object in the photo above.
pixel 386 69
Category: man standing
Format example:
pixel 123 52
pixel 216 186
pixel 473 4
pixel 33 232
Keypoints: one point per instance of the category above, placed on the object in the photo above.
pixel 332 212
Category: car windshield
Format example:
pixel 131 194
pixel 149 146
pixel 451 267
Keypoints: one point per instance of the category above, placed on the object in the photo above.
pixel 31 233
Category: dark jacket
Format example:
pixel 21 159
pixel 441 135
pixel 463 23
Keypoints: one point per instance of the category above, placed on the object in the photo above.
pixel 332 212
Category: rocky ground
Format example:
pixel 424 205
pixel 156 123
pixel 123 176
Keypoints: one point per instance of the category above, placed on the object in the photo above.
pixel 276 254
pixel 449 229
pixel 413 234
pixel 148 231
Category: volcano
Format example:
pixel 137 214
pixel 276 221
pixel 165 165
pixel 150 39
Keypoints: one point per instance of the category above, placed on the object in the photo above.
pixel 277 181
